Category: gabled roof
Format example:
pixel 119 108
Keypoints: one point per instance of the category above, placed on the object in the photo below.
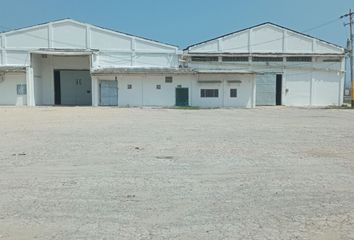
pixel 259 25
pixel 82 23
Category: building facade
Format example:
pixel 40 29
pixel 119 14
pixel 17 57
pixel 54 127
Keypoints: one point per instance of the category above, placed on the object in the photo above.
pixel 67 62
pixel 292 68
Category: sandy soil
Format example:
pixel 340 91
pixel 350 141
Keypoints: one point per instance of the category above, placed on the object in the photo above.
pixel 109 173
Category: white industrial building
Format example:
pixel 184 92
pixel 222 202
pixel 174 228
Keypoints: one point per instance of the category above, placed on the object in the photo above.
pixel 292 69
pixel 72 63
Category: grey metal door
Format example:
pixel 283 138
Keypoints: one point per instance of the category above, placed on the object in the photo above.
pixel 108 93
pixel 75 88
pixel 266 90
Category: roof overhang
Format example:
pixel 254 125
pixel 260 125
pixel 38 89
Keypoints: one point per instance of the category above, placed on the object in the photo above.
pixel 255 54
pixel 105 71
pixel 12 69
pixel 224 71
pixel 102 71
pixel 65 52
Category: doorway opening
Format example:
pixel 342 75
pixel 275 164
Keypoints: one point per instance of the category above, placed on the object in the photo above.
pixel 279 87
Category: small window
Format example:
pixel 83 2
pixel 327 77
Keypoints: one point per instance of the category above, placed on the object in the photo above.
pixel 235 59
pixel 168 79
pixel 130 86
pixel 204 59
pixel 158 86
pixel 209 93
pixel 233 93
pixel 21 89
pixel 179 86
pixel 299 59
pixel 267 59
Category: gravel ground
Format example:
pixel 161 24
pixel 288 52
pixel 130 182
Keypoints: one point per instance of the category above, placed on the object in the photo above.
pixel 110 173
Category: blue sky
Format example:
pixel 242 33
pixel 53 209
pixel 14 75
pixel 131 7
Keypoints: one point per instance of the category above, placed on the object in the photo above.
pixel 183 22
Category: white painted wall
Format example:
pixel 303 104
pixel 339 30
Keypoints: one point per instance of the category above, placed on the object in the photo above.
pixel 245 90
pixel 266 38
pixel 316 83
pixel 115 49
pixel 8 89
pixel 145 93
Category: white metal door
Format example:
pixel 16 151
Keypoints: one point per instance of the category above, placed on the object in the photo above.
pixel 266 90
pixel 108 93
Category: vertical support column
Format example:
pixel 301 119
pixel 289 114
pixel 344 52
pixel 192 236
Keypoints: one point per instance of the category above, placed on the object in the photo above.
pixel 88 37
pixel 313 45
pixel 284 45
pixel 311 90
pixel 30 87
pixel 250 41
pixel 254 86
pixel 223 93
pixel 3 51
pixel 95 60
pixel 312 80
pixel 220 45
pixel 95 91
pixel 50 35
pixel 133 48
pixel 250 65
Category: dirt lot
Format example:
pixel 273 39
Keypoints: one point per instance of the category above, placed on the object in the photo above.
pixel 108 173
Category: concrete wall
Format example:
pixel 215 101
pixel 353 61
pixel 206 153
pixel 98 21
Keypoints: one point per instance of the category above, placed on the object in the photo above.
pixel 8 89
pixel 145 93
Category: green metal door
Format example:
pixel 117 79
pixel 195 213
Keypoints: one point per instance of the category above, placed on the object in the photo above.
pixel 182 97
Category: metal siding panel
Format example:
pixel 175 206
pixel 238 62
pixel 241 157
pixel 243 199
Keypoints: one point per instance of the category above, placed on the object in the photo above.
pixel 75 88
pixel 298 88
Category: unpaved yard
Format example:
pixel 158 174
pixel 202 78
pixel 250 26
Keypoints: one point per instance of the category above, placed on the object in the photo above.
pixel 109 173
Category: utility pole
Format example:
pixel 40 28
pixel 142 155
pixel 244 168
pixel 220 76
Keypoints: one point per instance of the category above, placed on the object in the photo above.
pixel 350 50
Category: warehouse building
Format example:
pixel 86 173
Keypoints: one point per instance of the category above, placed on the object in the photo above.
pixel 70 63
pixel 292 68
